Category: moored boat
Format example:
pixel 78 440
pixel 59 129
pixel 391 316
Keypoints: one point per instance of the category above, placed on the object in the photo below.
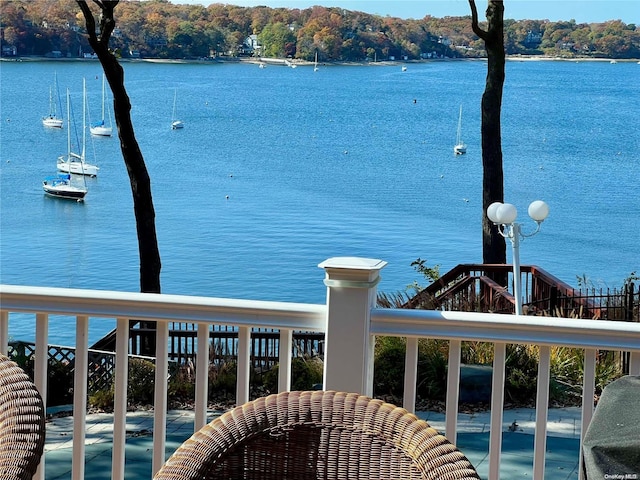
pixel 61 186
pixel 53 120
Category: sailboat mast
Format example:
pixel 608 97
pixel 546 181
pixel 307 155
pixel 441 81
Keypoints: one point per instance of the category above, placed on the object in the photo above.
pixel 55 86
pixel 84 129
pixel 459 136
pixel 84 116
pixel 103 98
pixel 175 97
pixel 68 123
pixel 52 106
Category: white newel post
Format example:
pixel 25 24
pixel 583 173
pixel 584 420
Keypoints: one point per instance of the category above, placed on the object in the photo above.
pixel 351 294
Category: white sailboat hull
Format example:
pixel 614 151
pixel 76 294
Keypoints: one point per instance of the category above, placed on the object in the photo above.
pixel 101 130
pixel 460 149
pixel 61 187
pixel 52 122
pixel 72 163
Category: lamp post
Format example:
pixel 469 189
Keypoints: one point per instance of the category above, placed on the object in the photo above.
pixel 504 216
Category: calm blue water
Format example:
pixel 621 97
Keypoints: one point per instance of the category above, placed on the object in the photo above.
pixel 340 162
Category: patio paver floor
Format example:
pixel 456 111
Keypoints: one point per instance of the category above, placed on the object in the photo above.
pixel 563 442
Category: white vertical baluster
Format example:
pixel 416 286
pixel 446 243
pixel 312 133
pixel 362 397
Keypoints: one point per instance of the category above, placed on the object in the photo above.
pixel 284 360
pixel 497 406
pixel 120 399
pixel 244 365
pixel 41 363
pixel 81 362
pixel 542 412
pixel 160 399
pixel 588 392
pixel 410 375
pixel 453 391
pixel 202 377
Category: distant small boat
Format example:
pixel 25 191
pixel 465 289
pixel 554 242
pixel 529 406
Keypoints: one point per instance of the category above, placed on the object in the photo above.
pixel 175 123
pixel 100 128
pixel 404 68
pixel 53 120
pixel 613 61
pixel 460 148
pixel 315 63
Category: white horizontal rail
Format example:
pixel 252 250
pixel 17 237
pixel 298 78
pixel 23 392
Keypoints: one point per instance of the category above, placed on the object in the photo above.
pixel 491 327
pixel 171 308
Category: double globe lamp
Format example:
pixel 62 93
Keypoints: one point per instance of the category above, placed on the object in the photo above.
pixel 504 216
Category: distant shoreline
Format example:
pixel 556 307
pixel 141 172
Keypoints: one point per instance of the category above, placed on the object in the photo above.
pixel 296 62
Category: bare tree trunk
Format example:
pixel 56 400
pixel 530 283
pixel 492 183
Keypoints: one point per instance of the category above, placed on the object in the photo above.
pixel 149 253
pixel 493 244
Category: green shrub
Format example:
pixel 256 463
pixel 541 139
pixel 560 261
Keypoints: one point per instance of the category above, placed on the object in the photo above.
pixel 388 379
pixel 182 384
pixel 102 399
pixel 306 372
pixel 388 376
pixel 140 386
pixel 141 381
pixel 432 369
pixel 222 380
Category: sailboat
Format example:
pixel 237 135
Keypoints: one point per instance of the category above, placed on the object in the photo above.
pixel 52 120
pixel 460 147
pixel 175 124
pixel 62 185
pixel 315 63
pixel 100 128
pixel 73 162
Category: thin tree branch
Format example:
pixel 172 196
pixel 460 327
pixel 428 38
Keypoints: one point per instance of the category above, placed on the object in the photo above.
pixel 89 19
pixel 475 26
pixel 107 22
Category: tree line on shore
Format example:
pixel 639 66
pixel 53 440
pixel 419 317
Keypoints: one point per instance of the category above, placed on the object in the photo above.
pixel 159 29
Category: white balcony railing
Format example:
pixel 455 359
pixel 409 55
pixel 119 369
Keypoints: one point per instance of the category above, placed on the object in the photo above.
pixel 350 322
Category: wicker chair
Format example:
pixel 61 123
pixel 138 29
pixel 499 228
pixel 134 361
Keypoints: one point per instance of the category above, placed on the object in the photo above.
pixel 22 423
pixel 317 435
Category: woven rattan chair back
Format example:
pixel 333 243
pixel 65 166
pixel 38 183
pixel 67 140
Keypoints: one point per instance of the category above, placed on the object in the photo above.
pixel 317 435
pixel 22 423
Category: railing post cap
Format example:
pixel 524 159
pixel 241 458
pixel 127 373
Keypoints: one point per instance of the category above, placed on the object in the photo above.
pixel 353 263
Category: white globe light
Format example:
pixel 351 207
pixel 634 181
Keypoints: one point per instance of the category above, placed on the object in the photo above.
pixel 538 210
pixel 506 213
pixel 492 211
